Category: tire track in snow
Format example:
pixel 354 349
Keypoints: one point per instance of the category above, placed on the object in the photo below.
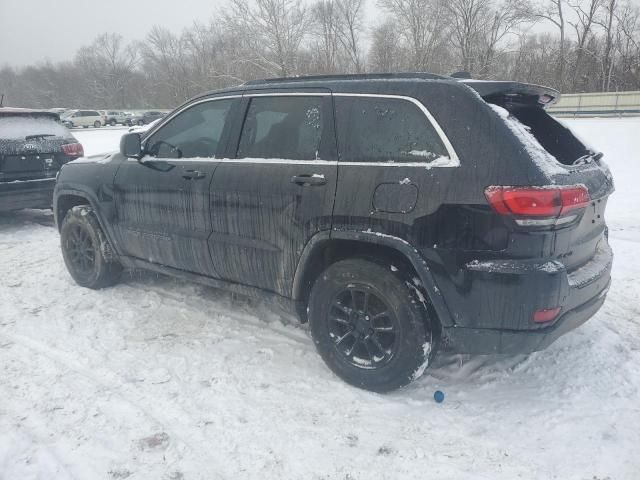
pixel 114 384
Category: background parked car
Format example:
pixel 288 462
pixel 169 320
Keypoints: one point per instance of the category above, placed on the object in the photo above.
pixel 33 147
pixel 143 128
pixel 82 118
pixel 147 117
pixel 115 117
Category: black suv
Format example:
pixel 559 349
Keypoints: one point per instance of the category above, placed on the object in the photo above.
pixel 397 213
pixel 33 147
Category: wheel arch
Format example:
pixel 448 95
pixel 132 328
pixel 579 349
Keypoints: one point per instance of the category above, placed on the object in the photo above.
pixel 67 198
pixel 65 202
pixel 326 247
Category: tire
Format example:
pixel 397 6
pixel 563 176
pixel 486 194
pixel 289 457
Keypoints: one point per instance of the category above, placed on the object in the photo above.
pixel 112 123
pixel 399 345
pixel 86 251
pixel 140 123
pixel 97 124
pixel 71 125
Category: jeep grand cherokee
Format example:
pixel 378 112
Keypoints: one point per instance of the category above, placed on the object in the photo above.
pixel 397 213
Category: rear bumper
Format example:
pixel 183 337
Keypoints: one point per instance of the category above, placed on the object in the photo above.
pixel 27 194
pixel 580 293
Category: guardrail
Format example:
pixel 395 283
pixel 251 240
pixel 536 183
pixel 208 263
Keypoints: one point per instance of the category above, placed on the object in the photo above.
pixel 618 104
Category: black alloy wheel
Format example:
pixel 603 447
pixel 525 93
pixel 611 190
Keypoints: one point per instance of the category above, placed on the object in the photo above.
pixel 371 325
pixel 363 327
pixel 80 249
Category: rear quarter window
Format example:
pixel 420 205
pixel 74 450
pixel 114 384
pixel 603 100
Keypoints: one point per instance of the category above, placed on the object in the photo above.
pixel 374 129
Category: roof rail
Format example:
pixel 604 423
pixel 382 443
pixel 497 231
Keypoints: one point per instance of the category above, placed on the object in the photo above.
pixel 351 76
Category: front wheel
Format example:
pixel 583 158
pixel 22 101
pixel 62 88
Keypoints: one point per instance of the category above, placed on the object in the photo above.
pixel 97 124
pixel 86 251
pixel 369 325
pixel 113 123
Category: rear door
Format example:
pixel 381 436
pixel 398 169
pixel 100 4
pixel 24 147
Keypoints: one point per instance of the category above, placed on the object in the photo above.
pixel 395 163
pixel 162 201
pixel 277 188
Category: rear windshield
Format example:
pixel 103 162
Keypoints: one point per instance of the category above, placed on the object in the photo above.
pixel 556 139
pixel 22 126
pixel 549 134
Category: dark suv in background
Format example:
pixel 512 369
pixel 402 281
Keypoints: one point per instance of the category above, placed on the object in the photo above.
pixel 33 147
pixel 397 213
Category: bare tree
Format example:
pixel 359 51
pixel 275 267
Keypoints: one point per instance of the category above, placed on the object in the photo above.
pixel 585 12
pixel 273 31
pixel 108 64
pixel 327 44
pixel 480 26
pixel 422 25
pixel 386 53
pixel 608 23
pixel 349 30
pixel 629 46
pixel 553 11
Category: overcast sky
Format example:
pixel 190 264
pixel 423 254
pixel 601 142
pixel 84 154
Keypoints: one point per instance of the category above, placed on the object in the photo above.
pixel 36 30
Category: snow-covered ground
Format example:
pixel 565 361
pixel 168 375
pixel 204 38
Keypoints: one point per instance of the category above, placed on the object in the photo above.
pixel 162 379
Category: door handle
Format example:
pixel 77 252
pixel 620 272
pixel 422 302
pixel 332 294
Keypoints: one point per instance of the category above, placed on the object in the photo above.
pixel 193 175
pixel 309 180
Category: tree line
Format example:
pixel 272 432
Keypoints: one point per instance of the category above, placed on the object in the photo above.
pixel 571 45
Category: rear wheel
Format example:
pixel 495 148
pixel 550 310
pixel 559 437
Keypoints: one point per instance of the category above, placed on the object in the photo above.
pixel 369 325
pixel 140 122
pixel 86 252
pixel 112 123
pixel 97 124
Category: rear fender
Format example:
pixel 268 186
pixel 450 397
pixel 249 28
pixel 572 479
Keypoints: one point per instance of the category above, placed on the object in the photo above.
pixel 401 246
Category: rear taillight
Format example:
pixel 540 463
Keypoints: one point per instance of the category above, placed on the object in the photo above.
pixel 546 315
pixel 73 149
pixel 539 206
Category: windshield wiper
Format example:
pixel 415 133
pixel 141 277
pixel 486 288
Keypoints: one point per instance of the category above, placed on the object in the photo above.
pixel 39 135
pixel 588 157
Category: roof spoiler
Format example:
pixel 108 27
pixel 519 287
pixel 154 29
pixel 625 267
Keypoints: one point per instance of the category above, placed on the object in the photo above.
pixel 503 93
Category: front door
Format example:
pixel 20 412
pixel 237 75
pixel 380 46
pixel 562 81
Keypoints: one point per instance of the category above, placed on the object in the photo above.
pixel 162 201
pixel 276 190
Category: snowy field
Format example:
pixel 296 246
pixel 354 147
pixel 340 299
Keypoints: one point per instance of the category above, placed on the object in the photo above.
pixel 162 379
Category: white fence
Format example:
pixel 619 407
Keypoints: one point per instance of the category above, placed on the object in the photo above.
pixel 597 104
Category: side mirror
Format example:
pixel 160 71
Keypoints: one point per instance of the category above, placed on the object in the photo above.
pixel 130 145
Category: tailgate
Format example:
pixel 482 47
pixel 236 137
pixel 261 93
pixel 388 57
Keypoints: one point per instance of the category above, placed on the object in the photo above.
pixel 21 160
pixel 574 163
pixel 577 245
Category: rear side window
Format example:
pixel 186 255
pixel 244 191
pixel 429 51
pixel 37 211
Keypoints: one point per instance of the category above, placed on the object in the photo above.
pixel 22 126
pixel 385 130
pixel 288 127
pixel 196 132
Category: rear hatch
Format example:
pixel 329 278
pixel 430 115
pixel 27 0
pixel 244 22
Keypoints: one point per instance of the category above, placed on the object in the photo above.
pixel 564 158
pixel 33 145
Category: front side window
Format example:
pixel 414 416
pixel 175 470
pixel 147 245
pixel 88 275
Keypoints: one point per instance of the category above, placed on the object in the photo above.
pixel 287 127
pixel 194 133
pixel 374 129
